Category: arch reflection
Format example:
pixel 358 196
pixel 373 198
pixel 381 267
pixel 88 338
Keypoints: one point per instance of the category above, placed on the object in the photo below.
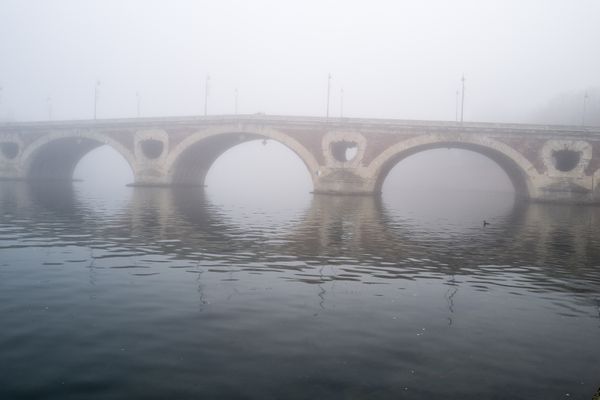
pixel 534 246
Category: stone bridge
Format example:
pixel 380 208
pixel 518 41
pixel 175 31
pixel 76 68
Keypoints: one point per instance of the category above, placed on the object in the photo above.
pixel 343 156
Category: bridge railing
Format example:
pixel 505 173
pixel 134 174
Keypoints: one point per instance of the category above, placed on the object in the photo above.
pixel 281 120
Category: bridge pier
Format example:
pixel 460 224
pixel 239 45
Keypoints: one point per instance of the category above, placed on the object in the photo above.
pixel 343 182
pixel 570 190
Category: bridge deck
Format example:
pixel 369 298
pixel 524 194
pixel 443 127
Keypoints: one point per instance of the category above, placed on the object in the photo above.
pixel 385 125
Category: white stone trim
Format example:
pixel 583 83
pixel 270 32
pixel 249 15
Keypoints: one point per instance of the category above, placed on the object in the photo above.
pixel 31 150
pixel 575 145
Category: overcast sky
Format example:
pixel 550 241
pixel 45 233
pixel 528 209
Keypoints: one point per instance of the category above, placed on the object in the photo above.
pixel 393 59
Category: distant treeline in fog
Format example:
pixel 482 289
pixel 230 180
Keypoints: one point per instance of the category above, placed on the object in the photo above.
pixel 573 108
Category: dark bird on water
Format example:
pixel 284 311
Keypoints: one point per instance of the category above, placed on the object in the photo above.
pixel 485 223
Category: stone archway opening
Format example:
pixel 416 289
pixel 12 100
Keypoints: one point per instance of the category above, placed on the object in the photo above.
pixel 84 166
pixel 453 189
pixel 78 158
pixel 506 164
pixel 259 170
pixel 257 157
pixel 256 179
pixel 103 167
pixel 102 177
pixel 448 169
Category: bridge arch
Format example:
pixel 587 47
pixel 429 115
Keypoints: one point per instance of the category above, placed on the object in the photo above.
pixel 189 162
pixel 520 171
pixel 55 155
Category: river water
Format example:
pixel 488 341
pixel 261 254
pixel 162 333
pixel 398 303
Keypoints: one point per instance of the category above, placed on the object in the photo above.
pixel 154 294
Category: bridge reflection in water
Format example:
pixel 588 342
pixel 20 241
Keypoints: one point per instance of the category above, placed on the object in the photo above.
pixel 395 240
pixel 168 291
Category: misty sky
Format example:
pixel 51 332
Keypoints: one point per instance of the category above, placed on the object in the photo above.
pixel 393 59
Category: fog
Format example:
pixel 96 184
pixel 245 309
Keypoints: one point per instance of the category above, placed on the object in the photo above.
pixel 288 275
pixel 523 61
pixel 393 59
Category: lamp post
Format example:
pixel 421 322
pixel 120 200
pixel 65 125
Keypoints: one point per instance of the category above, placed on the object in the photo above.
pixel 342 103
pixel 456 108
pixel 328 93
pixel 462 102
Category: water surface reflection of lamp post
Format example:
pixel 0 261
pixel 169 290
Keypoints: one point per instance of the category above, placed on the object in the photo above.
pixel 462 102
pixel 328 92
